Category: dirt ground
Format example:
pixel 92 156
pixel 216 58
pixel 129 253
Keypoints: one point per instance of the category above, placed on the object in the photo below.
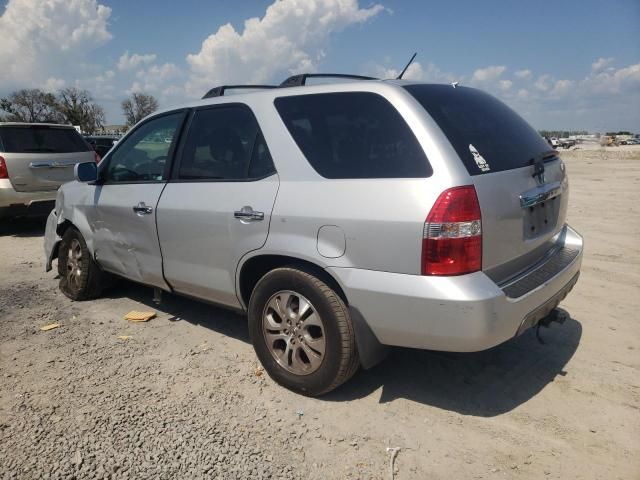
pixel 184 396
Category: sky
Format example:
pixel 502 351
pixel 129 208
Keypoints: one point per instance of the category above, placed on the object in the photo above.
pixel 560 64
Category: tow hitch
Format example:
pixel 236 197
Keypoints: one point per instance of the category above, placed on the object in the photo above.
pixel 556 315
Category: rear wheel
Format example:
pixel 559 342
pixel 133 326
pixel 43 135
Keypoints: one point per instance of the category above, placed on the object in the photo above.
pixel 80 276
pixel 301 331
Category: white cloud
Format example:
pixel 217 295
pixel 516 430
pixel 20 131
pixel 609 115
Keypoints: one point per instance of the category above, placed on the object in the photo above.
pixel 561 87
pixel 430 73
pixel 164 81
pixel 53 84
pixel 523 74
pixel 614 81
pixel 505 84
pixel 42 41
pixel 164 72
pixel 488 74
pixel 601 63
pixel 289 38
pixel 129 62
pixel 543 83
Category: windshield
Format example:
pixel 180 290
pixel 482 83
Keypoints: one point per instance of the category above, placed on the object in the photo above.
pixel 41 139
pixel 487 135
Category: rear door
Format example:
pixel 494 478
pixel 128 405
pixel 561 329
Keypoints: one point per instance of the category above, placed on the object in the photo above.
pixel 122 215
pixel 217 207
pixel 520 181
pixel 42 157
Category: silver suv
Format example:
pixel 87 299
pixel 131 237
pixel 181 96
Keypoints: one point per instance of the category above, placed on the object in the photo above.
pixel 35 159
pixel 342 218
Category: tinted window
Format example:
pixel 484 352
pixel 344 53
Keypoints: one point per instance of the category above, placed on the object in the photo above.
pixel 143 155
pixel 42 139
pixel 224 143
pixel 353 135
pixel 487 135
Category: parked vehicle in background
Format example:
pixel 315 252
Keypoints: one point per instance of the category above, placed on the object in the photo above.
pixel 567 143
pixel 102 143
pixel 341 217
pixel 35 159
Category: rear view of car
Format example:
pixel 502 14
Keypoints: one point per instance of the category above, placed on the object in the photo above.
pixel 35 159
pixel 383 213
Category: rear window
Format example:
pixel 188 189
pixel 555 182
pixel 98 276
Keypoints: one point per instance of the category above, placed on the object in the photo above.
pixel 353 135
pixel 487 135
pixel 41 139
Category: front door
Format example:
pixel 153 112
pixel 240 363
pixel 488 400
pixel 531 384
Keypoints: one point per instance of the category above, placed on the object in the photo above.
pixel 123 217
pixel 217 206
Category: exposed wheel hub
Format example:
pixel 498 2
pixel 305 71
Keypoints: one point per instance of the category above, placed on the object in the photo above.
pixel 294 332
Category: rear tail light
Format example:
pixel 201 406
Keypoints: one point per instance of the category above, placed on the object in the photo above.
pixel 97 157
pixel 4 173
pixel 452 236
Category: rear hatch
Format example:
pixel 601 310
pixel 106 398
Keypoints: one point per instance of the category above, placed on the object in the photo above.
pixel 41 157
pixel 520 181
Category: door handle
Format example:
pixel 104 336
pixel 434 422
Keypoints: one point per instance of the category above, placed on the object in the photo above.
pixel 248 214
pixel 142 209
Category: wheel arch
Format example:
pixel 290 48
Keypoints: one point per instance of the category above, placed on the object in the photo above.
pixel 254 268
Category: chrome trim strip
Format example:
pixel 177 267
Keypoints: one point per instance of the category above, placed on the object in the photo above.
pixel 540 194
pixel 56 164
pixel 40 165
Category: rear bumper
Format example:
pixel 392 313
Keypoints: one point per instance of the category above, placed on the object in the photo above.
pixel 463 314
pixel 14 204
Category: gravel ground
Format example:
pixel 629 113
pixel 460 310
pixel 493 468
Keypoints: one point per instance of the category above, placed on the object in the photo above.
pixel 184 397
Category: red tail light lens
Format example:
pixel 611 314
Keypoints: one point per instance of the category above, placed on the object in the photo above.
pixel 452 238
pixel 4 173
pixel 97 157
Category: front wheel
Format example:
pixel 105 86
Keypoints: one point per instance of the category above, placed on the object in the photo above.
pixel 301 331
pixel 80 276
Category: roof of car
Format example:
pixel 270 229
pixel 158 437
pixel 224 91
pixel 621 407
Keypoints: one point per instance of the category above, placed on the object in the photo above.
pixel 27 124
pixel 273 93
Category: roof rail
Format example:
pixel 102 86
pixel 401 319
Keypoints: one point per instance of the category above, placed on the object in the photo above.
pixel 300 80
pixel 219 91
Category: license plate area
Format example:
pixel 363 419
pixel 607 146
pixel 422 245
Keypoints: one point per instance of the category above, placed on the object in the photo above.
pixel 541 218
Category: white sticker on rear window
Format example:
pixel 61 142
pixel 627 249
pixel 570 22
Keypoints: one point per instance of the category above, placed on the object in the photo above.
pixel 480 161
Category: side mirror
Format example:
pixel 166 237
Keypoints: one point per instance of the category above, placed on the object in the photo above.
pixel 86 172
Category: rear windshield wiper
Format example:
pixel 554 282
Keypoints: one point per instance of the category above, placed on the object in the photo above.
pixel 542 157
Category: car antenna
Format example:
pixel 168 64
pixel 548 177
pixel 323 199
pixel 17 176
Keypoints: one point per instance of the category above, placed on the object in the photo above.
pixel 399 77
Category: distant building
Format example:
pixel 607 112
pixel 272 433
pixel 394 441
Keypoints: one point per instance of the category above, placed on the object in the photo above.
pixel 113 130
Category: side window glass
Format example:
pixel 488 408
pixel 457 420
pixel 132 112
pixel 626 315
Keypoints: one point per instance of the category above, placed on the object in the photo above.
pixel 224 144
pixel 144 154
pixel 261 162
pixel 353 135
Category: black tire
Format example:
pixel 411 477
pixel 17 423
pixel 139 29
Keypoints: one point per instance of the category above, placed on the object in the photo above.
pixel 340 360
pixel 88 283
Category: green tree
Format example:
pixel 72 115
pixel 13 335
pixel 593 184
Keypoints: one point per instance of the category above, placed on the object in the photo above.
pixel 138 106
pixel 78 108
pixel 30 105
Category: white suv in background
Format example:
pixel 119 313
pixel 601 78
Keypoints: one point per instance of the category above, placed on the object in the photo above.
pixel 35 159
